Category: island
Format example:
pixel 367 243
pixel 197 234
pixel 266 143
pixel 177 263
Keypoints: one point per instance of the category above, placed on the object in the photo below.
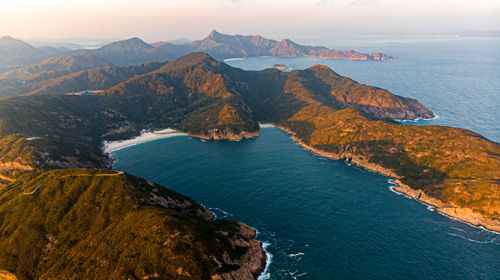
pixel 55 172
pixel 224 46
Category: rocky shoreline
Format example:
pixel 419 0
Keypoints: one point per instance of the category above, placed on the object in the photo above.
pixel 252 263
pixel 216 135
pixel 463 214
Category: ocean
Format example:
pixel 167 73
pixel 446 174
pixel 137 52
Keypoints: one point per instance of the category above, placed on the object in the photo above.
pixel 326 219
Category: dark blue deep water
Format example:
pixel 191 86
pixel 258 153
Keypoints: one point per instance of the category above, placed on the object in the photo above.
pixel 324 219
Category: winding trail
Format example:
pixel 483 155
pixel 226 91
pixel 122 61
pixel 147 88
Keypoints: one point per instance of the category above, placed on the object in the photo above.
pixel 70 175
pixel 25 193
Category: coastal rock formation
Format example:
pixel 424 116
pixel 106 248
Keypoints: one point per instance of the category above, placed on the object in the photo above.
pixel 251 264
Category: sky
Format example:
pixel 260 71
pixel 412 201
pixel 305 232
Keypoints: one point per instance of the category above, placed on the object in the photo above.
pixel 155 20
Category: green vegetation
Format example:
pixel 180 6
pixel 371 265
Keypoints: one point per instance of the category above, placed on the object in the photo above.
pixel 90 224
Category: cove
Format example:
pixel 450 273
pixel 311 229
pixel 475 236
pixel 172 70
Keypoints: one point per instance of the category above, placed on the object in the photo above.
pixel 323 218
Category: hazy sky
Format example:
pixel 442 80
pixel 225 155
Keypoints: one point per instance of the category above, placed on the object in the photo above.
pixel 168 19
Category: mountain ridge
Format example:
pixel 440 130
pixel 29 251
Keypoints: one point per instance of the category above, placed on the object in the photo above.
pixel 223 46
pixel 130 52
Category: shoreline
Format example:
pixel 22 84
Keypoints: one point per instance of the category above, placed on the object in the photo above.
pixel 418 119
pixel 257 260
pixel 465 215
pixel 145 136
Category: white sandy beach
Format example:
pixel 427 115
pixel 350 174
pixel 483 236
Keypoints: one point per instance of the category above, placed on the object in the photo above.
pixel 146 136
pixel 264 125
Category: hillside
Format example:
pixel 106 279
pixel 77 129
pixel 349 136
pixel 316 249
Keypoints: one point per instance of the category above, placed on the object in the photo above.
pixel 95 79
pixel 103 224
pixel 130 52
pixel 56 67
pixel 32 77
pixel 15 53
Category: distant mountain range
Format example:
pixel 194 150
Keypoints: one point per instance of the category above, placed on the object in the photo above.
pixel 223 46
pixel 16 53
pixel 26 69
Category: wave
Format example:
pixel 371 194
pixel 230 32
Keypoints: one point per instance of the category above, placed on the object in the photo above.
pixel 296 255
pixel 418 119
pixel 433 209
pixel 225 214
pixel 269 258
pixel 298 275
pixel 391 188
pixel 473 240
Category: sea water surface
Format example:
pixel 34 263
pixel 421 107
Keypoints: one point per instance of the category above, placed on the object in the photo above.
pixel 325 219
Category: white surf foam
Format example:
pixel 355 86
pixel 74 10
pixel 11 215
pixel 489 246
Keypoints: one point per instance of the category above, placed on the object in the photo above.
pixel 269 258
pixel 433 209
pixel 418 119
pixel 473 240
pixel 296 255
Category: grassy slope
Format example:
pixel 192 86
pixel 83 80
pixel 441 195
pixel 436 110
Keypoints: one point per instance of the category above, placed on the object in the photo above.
pixel 79 224
pixel 453 165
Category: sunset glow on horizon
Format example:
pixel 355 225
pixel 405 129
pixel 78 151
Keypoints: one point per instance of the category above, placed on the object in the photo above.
pixel 160 20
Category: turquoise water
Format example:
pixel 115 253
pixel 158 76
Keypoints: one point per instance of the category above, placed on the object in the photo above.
pixel 325 219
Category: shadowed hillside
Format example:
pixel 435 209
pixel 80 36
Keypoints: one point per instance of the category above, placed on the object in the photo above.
pixel 130 52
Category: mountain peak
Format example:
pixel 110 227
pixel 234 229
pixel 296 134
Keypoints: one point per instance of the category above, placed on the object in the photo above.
pixel 214 33
pixel 8 40
pixel 190 60
pixel 133 43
